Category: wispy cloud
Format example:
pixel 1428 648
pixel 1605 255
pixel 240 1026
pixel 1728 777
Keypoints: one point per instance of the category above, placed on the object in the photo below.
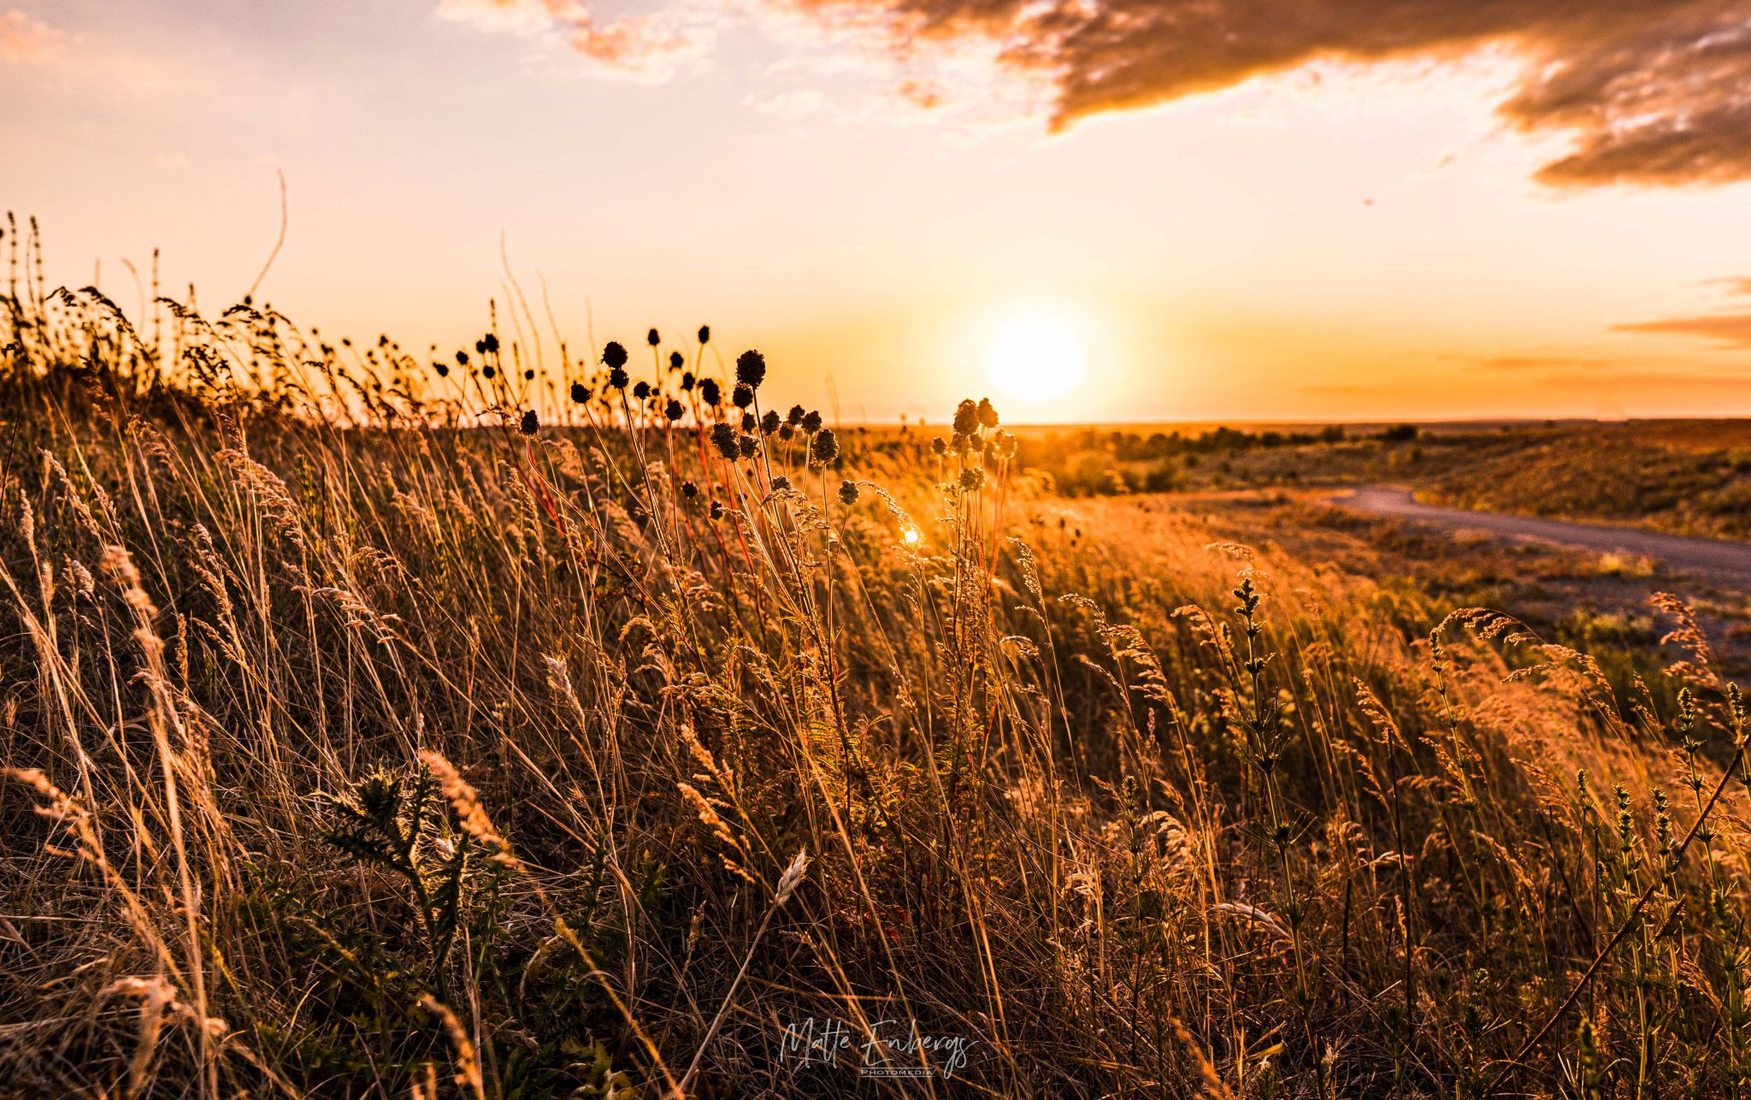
pixel 1729 330
pixel 1732 330
pixel 651 46
pixel 25 40
pixel 1541 362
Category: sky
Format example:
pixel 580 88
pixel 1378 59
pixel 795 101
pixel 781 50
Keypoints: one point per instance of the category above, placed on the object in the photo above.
pixel 1242 209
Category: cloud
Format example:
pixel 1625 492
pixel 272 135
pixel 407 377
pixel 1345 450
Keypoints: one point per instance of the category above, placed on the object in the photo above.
pixel 1650 92
pixel 27 40
pixel 650 46
pixel 1540 362
pixel 1730 330
pixel 1733 330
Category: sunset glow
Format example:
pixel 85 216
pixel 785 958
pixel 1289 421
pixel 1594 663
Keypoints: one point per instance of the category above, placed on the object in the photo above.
pixel 1304 224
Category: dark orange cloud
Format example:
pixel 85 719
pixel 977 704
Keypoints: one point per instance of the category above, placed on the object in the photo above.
pixel 1654 91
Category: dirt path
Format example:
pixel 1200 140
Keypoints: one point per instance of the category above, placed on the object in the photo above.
pixel 1728 561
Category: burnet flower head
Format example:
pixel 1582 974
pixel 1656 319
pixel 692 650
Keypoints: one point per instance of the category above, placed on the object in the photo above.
pixel 750 369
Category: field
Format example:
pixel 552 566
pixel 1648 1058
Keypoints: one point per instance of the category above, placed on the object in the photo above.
pixel 378 725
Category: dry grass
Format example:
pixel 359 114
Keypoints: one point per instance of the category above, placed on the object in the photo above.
pixel 361 744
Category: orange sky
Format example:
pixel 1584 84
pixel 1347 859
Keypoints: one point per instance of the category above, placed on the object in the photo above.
pixel 1374 209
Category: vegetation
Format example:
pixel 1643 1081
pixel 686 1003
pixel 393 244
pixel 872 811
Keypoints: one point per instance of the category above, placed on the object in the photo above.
pixel 512 726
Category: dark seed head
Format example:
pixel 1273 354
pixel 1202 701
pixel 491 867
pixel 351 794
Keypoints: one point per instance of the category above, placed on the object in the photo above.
pixel 489 343
pixel 750 446
pixel 987 413
pixel 617 378
pixel 785 432
pixel 675 360
pixel 748 423
pixel 652 338
pixel 848 492
pixel 812 422
pixel 580 393
pixel 689 490
pixel 717 508
pixel 751 369
pixel 642 390
pixel 769 423
pixel 795 416
pixel 723 437
pixel 939 446
pixel 488 371
pixel 462 359
pixel 705 334
pixel 966 418
pixel 710 393
pixel 529 375
pixel 613 354
pixel 673 409
pixel 743 395
pixel 825 446
pixel 530 422
pixel 443 369
pixel 972 477
pixel 780 483
pixel 686 381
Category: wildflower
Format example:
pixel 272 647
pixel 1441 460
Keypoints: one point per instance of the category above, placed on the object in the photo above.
pixel 812 422
pixel 723 437
pixel 987 413
pixel 938 446
pixel 530 422
pixel 580 393
pixel 825 447
pixel 769 422
pixel 973 477
pixel 529 375
pixel 795 416
pixel 617 378
pixel 705 334
pixel 743 395
pixel 462 359
pixel 785 431
pixel 689 490
pixel 717 509
pixel 709 392
pixel 652 338
pixel 673 409
pixel 642 390
pixel 614 354
pixel 780 483
pixel 749 446
pixel 489 344
pixel 848 492
pixel 748 423
pixel 675 360
pixel 966 417
pixel 488 371
pixel 751 369
pixel 686 381
pixel 443 369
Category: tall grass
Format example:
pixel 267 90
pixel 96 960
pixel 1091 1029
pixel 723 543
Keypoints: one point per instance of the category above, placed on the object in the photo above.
pixel 374 729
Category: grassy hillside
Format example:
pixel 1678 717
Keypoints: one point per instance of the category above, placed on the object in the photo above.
pixel 1683 477
pixel 368 733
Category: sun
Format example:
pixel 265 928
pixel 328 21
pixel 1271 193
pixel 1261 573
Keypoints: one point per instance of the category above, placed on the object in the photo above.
pixel 1035 355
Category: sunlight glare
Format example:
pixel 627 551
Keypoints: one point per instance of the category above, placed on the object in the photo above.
pixel 1036 355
